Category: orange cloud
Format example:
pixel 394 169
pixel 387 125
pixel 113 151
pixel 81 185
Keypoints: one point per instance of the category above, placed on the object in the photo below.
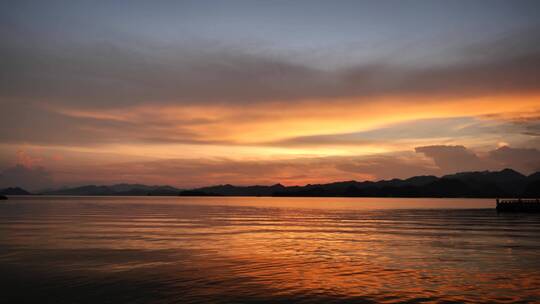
pixel 26 160
pixel 274 121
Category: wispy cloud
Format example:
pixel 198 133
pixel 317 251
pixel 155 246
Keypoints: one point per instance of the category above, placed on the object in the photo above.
pixel 112 74
pixel 233 109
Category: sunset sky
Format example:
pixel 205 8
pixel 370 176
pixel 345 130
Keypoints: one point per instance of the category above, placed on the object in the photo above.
pixel 194 93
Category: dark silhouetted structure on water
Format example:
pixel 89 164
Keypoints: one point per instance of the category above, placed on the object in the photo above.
pixel 518 205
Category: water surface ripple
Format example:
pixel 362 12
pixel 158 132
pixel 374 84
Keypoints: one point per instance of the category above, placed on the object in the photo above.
pixel 266 250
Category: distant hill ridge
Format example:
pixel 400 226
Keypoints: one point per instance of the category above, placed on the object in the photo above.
pixel 504 183
pixel 14 191
pixel 118 189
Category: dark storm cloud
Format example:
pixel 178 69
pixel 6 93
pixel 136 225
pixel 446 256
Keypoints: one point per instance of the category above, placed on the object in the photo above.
pixel 516 74
pixel 121 73
pixel 109 75
pixel 521 159
pixel 451 159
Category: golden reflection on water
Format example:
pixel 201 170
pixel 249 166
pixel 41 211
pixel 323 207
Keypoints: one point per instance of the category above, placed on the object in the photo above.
pixel 272 250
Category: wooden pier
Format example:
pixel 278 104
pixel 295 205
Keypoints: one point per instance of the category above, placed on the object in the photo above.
pixel 518 205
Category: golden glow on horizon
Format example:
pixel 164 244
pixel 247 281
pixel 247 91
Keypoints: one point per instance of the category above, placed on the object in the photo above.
pixel 266 143
pixel 258 124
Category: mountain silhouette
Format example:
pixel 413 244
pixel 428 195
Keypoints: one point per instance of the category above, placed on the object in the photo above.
pixel 504 183
pixel 14 191
pixel 118 189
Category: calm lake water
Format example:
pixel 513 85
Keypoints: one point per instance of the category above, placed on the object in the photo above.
pixel 266 250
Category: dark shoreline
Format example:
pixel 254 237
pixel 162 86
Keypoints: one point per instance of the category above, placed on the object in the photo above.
pixel 255 196
pixel 506 183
